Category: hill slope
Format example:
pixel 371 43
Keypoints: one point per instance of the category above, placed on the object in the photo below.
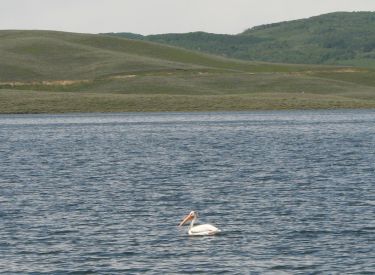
pixel 43 71
pixel 342 38
pixel 42 55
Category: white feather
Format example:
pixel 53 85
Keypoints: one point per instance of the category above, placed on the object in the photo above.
pixel 204 229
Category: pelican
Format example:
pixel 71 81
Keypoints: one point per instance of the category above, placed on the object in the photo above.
pixel 199 230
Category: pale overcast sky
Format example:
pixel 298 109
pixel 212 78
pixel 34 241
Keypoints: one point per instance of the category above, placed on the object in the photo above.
pixel 163 16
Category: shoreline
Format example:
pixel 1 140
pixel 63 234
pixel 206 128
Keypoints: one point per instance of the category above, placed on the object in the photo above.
pixel 43 102
pixel 109 113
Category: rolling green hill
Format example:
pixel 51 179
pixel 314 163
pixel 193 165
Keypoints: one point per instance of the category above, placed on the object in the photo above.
pixel 45 71
pixel 46 55
pixel 341 38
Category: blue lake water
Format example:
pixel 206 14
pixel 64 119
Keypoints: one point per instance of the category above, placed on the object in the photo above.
pixel 292 192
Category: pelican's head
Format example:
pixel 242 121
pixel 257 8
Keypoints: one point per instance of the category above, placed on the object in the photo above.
pixel 189 217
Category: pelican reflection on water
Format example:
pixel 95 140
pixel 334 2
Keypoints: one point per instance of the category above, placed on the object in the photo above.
pixel 198 230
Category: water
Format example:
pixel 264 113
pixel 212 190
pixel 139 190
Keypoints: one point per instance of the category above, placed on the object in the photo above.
pixel 293 193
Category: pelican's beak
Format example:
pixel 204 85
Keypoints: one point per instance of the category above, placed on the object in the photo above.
pixel 186 219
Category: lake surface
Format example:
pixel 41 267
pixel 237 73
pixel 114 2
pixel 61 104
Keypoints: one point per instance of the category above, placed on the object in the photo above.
pixel 292 192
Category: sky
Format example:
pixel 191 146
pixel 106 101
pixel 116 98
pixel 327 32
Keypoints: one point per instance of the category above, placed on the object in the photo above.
pixel 163 16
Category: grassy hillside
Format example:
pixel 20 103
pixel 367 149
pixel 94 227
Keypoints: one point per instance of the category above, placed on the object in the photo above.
pixel 43 55
pixel 342 38
pixel 43 71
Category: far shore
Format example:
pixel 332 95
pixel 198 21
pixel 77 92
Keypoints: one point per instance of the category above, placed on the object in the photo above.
pixel 32 102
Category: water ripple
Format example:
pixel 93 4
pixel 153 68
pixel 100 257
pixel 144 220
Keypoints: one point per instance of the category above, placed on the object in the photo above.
pixel 293 193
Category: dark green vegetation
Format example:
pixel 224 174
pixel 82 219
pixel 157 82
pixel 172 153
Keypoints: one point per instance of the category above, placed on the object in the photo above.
pixel 43 71
pixel 342 38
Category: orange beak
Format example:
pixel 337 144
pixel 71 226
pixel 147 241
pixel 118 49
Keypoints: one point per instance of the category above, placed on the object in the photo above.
pixel 186 219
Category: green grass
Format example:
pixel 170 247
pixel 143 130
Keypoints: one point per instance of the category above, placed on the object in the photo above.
pixel 340 38
pixel 54 102
pixel 55 72
pixel 42 55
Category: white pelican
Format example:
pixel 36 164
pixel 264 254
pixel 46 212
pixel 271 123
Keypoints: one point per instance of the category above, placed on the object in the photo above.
pixel 199 230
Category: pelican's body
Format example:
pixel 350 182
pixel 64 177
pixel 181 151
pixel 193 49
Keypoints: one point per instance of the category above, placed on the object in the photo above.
pixel 199 230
